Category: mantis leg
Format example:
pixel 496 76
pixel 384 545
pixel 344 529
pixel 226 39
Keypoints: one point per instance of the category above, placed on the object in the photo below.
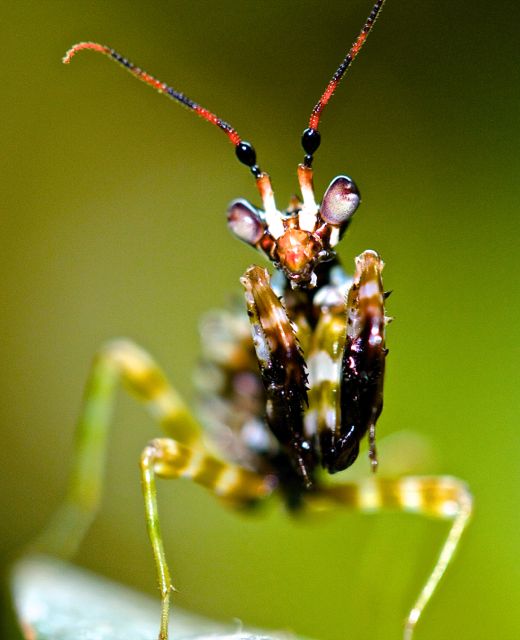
pixel 443 497
pixel 181 456
pixel 169 459
pixel 282 369
pixel 119 361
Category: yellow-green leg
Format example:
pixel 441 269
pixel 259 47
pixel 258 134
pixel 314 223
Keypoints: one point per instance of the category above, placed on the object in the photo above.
pixel 441 497
pixel 182 455
pixel 119 361
pixel 169 459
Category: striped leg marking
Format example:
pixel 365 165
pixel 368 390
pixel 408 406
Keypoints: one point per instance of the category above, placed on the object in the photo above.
pixel 282 369
pixel 117 361
pixel 166 458
pixel 442 497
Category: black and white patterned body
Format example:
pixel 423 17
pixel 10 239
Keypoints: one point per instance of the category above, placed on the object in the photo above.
pixel 295 388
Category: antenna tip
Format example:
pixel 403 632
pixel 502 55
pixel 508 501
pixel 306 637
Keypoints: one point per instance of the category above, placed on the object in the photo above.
pixel 68 55
pixel 80 46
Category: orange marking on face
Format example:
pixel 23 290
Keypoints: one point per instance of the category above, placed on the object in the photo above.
pixel 296 249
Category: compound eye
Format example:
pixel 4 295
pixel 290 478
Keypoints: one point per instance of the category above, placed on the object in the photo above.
pixel 245 222
pixel 340 201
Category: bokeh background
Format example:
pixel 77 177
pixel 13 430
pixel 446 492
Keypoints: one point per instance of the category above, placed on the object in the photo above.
pixel 112 209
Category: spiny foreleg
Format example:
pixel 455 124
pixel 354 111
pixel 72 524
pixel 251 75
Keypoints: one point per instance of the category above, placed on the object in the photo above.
pixel 362 369
pixel 282 369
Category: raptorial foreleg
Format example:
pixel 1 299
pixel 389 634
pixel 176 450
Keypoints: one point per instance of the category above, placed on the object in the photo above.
pixel 282 369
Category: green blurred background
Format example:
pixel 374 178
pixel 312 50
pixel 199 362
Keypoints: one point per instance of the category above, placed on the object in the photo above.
pixel 113 224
